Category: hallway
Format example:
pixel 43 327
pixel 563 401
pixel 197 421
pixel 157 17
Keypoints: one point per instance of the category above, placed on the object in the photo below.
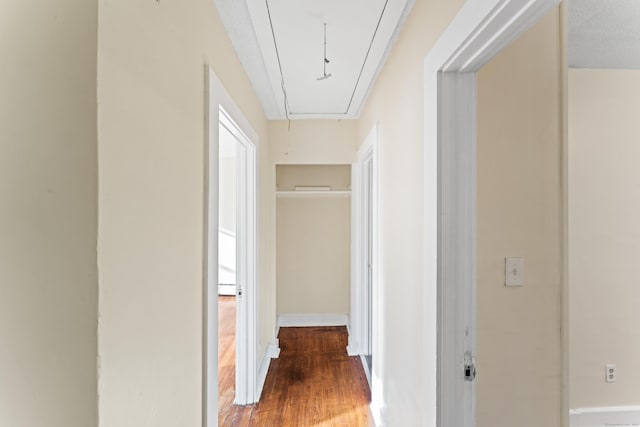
pixel 312 383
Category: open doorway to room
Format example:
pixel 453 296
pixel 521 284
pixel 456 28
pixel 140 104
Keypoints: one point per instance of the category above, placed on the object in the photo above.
pixel 480 31
pixel 227 267
pixel 363 339
pixel 236 288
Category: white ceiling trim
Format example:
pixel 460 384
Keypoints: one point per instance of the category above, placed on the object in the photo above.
pixel 236 20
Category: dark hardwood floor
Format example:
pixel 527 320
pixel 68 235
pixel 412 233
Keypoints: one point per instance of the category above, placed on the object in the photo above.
pixel 312 383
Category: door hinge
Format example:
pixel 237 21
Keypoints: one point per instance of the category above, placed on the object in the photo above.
pixel 469 367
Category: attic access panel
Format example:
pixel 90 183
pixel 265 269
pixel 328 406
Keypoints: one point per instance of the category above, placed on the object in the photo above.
pixel 290 36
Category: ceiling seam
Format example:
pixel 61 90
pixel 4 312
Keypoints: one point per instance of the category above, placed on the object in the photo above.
pixel 275 43
pixel 367 56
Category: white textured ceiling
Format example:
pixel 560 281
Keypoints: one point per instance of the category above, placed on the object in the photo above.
pixel 280 44
pixel 604 34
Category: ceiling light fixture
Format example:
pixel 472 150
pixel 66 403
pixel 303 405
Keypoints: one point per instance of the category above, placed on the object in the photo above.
pixel 325 61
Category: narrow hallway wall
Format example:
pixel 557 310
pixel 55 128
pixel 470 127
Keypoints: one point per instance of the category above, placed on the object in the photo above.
pixel 48 213
pixel 519 214
pixel 604 236
pixel 151 92
pixel 396 103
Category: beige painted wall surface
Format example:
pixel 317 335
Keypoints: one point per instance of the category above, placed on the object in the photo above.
pixel 604 236
pixel 519 214
pixel 313 141
pixel 316 280
pixel 338 177
pixel 396 102
pixel 151 80
pixel 48 213
pixel 313 255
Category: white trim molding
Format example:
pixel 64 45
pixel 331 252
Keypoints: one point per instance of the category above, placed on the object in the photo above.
pixel 605 416
pixel 312 194
pixel 219 105
pixel 310 320
pixel 481 29
pixel 272 352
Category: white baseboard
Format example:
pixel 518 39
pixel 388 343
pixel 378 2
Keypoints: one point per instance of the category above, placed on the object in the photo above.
pixel 378 405
pixel 605 416
pixel 308 320
pixel 273 351
pixel 352 346
pixel 377 412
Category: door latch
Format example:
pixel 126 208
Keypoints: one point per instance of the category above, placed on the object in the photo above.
pixel 239 291
pixel 469 368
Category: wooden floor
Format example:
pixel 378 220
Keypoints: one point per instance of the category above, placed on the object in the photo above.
pixel 226 355
pixel 312 383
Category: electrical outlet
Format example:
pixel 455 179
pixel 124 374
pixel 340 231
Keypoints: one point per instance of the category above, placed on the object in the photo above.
pixel 611 374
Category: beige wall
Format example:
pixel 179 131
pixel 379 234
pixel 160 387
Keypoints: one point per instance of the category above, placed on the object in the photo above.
pixel 313 249
pixel 604 233
pixel 151 83
pixel 305 283
pixel 338 177
pixel 519 214
pixel 520 97
pixel 313 141
pixel 397 103
pixel 48 213
pixel 313 255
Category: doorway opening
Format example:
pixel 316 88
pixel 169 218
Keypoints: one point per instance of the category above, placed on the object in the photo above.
pixel 236 263
pixel 224 119
pixel 481 29
pixel 230 152
pixel 365 338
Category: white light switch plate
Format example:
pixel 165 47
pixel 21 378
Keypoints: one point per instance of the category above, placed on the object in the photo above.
pixel 514 271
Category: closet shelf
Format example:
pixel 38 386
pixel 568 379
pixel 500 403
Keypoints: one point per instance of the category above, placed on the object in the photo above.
pixel 312 193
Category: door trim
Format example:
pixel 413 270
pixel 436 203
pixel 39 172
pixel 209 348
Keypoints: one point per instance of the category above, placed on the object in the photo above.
pixel 358 342
pixel 217 99
pixel 481 30
pixel 246 261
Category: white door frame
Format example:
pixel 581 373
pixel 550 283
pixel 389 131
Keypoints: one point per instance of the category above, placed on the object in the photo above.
pixel 245 259
pixel 481 29
pixel 358 332
pixel 220 105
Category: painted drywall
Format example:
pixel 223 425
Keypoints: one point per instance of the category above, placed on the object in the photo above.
pixel 396 102
pixel 302 273
pixel 337 177
pixel 48 213
pixel 604 236
pixel 313 249
pixel 151 92
pixel 520 97
pixel 519 214
pixel 313 141
pixel 313 255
